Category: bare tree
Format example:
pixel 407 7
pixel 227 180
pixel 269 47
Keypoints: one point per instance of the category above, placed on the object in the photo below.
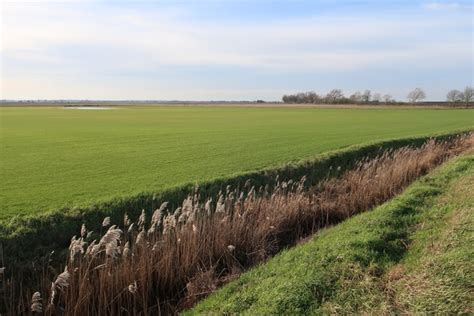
pixel 377 97
pixel 312 97
pixel 289 98
pixel 300 97
pixel 468 95
pixel 366 96
pixel 387 98
pixel 416 95
pixel 334 95
pixel 454 96
pixel 356 97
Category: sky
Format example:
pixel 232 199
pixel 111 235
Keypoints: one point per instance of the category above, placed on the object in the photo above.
pixel 232 49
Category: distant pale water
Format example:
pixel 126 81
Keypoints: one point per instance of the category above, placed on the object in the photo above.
pixel 87 108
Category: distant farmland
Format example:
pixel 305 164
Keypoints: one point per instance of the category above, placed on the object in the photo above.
pixel 54 157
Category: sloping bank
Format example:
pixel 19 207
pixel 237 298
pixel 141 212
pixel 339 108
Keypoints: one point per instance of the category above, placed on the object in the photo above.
pixel 52 230
pixel 399 258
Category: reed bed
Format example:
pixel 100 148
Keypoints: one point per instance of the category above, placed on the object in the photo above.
pixel 165 263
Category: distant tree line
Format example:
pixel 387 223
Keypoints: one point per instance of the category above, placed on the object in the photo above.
pixel 336 96
pixel 456 96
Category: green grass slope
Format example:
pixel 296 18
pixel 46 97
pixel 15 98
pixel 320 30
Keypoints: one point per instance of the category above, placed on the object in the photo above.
pixel 412 254
pixel 437 275
pixel 55 157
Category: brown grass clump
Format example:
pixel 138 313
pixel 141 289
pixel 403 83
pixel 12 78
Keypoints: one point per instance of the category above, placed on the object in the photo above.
pixel 166 263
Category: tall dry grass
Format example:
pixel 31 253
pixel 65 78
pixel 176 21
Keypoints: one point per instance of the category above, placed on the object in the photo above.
pixel 165 263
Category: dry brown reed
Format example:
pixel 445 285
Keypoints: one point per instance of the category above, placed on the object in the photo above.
pixel 167 263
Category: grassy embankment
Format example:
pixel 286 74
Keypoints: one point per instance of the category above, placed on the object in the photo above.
pixel 410 255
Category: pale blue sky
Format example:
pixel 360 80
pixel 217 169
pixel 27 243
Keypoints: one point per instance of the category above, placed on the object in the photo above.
pixel 232 50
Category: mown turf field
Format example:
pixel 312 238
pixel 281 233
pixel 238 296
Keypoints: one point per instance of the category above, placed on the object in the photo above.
pixel 53 157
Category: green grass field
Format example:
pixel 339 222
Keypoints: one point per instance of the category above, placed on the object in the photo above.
pixel 54 157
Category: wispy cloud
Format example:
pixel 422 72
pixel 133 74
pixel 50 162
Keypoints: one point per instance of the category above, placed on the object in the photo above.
pixel 123 38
